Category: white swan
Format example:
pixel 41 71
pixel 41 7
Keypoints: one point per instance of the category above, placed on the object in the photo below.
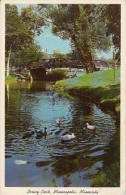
pixel 67 137
pixel 92 127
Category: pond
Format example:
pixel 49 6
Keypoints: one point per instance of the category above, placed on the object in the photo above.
pixel 48 162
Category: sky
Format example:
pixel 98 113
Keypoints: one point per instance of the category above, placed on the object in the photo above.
pixel 49 43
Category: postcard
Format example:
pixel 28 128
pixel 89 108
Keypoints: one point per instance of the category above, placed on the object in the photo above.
pixel 63 97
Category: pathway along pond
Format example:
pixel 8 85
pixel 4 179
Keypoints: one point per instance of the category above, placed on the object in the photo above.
pixel 47 162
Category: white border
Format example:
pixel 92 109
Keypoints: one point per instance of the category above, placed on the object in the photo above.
pixel 101 191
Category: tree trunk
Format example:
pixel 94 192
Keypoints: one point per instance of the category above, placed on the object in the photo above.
pixel 8 63
pixel 85 55
pixel 88 58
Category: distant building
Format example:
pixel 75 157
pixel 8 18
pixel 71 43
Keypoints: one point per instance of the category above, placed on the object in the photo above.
pixel 49 55
pixel 101 64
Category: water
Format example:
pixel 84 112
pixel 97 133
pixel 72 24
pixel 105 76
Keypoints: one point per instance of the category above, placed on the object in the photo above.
pixel 47 162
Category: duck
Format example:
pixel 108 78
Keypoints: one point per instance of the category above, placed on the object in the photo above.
pixel 67 137
pixel 40 134
pixel 91 127
pixel 45 131
pixel 53 98
pixel 28 134
pixel 58 121
pixel 20 162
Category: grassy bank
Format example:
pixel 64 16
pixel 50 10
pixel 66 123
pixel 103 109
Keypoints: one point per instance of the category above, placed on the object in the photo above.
pixel 102 87
pixel 109 176
pixel 10 79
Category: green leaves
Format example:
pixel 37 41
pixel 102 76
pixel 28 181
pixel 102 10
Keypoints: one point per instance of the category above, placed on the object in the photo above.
pixel 21 30
pixel 30 54
pixel 85 25
pixel 90 27
pixel 113 15
pixel 32 19
pixel 16 31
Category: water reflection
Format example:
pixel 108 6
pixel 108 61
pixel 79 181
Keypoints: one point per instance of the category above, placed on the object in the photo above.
pixel 33 106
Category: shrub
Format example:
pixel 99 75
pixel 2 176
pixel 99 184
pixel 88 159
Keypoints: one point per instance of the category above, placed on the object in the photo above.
pixel 57 74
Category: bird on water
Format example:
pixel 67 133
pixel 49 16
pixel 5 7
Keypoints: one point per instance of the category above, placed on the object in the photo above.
pixel 91 127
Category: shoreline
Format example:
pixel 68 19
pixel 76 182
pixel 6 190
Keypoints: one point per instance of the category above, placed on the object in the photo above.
pixel 107 96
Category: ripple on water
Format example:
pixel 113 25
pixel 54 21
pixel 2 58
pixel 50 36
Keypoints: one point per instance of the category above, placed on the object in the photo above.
pixel 37 110
pixel 97 153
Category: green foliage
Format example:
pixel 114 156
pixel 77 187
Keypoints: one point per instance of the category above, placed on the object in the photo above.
pixel 58 54
pixel 113 15
pixel 10 79
pixel 21 30
pixel 16 31
pixel 30 54
pixel 111 61
pixel 32 19
pixel 84 26
pixel 56 74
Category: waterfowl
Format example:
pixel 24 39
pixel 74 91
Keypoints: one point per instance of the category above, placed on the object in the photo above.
pixel 20 162
pixel 53 98
pixel 91 127
pixel 67 137
pixel 28 134
pixel 58 121
pixel 45 131
pixel 40 134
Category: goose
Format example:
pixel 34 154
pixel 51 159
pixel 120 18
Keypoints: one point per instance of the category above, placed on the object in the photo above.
pixel 28 134
pixel 40 134
pixel 91 127
pixel 67 137
pixel 45 131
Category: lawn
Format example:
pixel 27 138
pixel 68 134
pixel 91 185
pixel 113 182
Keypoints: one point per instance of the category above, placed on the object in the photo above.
pixel 102 86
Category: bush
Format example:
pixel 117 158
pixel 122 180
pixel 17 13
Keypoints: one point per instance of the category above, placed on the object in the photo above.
pixel 55 75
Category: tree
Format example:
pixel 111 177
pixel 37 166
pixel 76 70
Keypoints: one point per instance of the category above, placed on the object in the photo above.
pixel 21 30
pixel 16 31
pixel 113 16
pixel 32 19
pixel 83 25
pixel 12 23
pixel 57 54
pixel 60 62
pixel 30 54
